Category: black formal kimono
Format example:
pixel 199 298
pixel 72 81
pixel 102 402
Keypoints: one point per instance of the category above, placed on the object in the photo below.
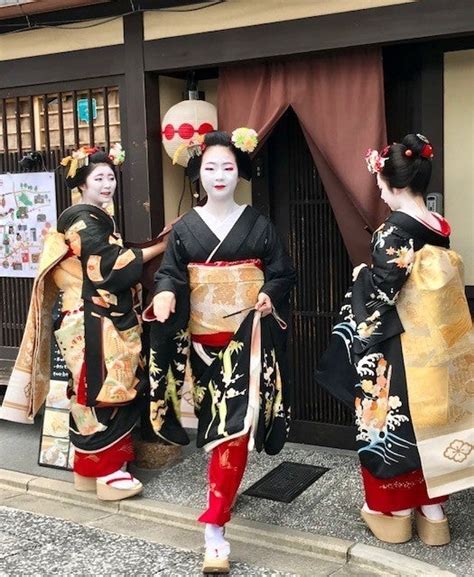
pixel 238 362
pixel 395 378
pixel 99 332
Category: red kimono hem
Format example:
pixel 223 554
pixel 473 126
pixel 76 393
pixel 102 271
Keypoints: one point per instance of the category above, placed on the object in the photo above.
pixel 104 462
pixel 406 491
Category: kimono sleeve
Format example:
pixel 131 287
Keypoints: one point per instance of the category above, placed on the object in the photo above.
pixel 173 273
pixel 392 260
pixel 280 275
pixel 106 263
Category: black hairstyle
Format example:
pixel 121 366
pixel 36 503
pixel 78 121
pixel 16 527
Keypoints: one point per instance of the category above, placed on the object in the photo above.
pixel 221 138
pixel 408 164
pixel 96 158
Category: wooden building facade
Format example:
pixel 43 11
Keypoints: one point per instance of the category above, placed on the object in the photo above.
pixel 123 63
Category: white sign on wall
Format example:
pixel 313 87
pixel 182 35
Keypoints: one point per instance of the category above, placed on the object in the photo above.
pixel 27 212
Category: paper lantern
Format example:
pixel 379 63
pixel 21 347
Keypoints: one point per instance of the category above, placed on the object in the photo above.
pixel 184 122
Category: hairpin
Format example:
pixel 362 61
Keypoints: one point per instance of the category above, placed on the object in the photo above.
pixel 375 161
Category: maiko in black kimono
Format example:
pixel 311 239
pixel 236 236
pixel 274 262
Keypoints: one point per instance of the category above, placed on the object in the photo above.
pixel 237 359
pixel 388 358
pixel 100 329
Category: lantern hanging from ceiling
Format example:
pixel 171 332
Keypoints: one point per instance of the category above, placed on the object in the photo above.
pixel 185 122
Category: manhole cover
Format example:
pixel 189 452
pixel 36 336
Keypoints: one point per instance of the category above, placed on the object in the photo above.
pixel 286 482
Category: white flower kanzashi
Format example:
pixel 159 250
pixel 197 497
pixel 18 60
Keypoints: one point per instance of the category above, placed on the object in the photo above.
pixel 245 139
pixel 117 154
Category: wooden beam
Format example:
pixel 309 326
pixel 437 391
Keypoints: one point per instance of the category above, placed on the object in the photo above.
pixel 421 20
pixel 83 84
pixel 19 11
pixel 64 67
pixel 143 193
pixel 106 9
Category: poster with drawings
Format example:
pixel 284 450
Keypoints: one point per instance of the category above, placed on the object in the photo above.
pixel 27 212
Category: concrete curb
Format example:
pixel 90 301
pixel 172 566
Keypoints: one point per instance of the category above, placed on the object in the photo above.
pixel 310 545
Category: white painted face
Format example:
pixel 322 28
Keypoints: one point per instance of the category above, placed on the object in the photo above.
pixel 100 186
pixel 389 195
pixel 219 174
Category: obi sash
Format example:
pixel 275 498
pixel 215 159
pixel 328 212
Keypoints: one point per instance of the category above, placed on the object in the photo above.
pixel 438 345
pixel 217 291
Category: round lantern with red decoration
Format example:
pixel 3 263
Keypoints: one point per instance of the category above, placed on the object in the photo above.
pixel 184 123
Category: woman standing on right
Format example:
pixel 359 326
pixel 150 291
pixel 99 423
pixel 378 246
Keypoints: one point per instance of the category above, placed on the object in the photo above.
pixel 402 352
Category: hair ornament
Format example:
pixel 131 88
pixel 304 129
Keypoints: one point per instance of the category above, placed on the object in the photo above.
pixel 194 147
pixel 375 161
pixel 427 151
pixel 117 154
pixel 408 152
pixel 245 139
pixel 77 159
pixel 423 138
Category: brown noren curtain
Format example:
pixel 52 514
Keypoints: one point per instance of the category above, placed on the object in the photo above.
pixel 339 101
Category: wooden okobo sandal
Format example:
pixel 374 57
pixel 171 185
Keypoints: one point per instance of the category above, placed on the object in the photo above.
pixel 431 532
pixel 389 528
pixel 107 492
pixel 214 564
pixel 82 483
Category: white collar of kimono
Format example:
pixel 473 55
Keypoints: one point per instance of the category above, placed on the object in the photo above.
pixel 220 227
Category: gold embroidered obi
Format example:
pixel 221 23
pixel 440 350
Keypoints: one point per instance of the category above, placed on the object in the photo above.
pixel 219 289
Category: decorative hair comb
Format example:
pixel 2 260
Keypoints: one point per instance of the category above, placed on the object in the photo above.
pixel 81 157
pixel 194 147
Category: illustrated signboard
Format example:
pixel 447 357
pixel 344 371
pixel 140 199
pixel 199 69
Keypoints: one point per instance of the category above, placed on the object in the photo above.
pixel 27 211
pixel 55 448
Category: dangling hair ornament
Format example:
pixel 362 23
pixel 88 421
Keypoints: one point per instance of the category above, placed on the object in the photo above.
pixel 194 147
pixel 427 150
pixel 245 139
pixel 408 152
pixel 375 161
pixel 117 154
pixel 77 159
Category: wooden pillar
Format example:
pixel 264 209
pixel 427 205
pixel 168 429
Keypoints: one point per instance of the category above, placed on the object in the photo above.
pixel 143 203
pixel 141 136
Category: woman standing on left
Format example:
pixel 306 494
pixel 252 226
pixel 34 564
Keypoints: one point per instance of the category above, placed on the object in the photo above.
pixel 98 331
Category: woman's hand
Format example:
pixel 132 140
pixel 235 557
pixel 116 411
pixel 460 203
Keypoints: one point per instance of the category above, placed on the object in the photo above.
pixel 151 251
pixel 164 304
pixel 356 271
pixel 264 304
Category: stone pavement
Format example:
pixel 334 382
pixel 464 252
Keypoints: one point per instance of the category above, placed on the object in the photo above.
pixel 27 502
pixel 38 545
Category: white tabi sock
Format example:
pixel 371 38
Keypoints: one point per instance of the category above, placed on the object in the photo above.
pixel 433 512
pixel 402 513
pixel 215 542
pixel 128 481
